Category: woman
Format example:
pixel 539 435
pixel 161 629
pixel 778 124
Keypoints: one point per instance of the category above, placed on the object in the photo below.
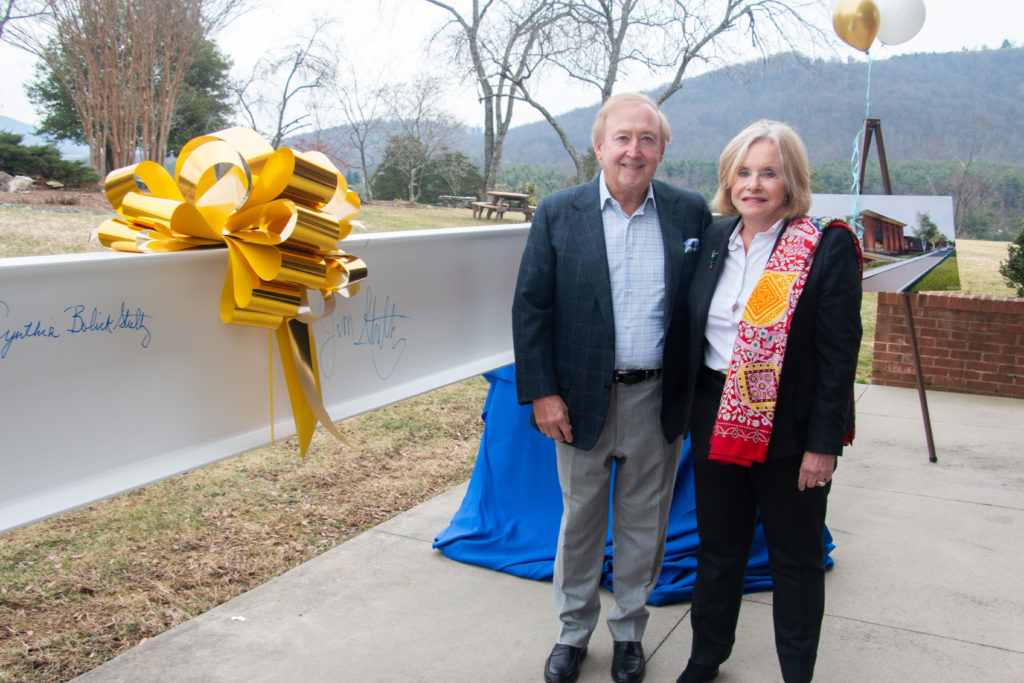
pixel 775 331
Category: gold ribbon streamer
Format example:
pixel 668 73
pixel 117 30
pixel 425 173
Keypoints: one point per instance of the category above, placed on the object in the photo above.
pixel 280 214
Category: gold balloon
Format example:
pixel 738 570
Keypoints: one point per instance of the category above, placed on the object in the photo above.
pixel 856 22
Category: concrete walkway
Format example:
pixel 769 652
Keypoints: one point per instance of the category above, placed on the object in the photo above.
pixel 928 583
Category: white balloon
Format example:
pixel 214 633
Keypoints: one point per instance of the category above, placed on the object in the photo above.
pixel 899 20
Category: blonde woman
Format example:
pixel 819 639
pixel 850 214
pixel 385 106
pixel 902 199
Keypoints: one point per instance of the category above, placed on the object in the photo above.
pixel 775 332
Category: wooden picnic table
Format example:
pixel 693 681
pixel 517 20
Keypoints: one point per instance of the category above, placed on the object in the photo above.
pixel 501 202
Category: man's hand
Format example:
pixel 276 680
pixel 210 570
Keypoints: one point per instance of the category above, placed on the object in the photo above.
pixel 815 470
pixel 552 417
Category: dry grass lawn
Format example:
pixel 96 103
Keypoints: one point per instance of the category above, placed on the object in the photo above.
pixel 979 267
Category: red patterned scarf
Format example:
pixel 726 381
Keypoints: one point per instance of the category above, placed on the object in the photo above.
pixel 744 423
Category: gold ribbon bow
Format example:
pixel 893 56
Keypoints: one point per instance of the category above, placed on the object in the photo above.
pixel 280 213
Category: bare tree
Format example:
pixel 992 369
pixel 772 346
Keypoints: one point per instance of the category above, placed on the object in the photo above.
pixel 323 139
pixel 363 112
pixel 421 133
pixel 968 189
pixel 15 10
pixel 302 70
pixel 600 41
pixel 497 41
pixel 349 121
pixel 124 63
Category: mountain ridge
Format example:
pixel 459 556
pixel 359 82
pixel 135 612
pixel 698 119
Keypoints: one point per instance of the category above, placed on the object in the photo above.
pixel 825 102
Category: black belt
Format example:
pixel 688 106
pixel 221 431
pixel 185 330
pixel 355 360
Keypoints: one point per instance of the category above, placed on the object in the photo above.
pixel 634 376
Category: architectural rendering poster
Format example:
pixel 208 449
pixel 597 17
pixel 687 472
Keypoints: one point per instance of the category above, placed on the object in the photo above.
pixel 909 241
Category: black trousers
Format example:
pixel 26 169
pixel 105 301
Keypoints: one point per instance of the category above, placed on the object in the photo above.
pixel 728 499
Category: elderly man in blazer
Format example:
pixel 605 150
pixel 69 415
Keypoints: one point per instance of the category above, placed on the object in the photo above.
pixel 603 361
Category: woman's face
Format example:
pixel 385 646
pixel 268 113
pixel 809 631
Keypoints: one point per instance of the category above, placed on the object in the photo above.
pixel 758 189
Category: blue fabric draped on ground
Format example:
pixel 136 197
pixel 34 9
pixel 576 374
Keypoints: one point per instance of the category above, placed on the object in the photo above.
pixel 510 515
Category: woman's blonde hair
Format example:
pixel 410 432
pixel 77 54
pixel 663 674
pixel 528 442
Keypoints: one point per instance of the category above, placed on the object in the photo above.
pixel 795 169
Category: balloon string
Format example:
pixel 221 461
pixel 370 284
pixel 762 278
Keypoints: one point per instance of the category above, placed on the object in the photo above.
pixel 855 158
pixel 867 96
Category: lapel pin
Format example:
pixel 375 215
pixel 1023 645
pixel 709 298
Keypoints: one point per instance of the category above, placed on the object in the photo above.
pixel 714 257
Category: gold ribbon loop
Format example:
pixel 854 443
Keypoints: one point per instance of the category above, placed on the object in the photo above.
pixel 280 213
pixel 146 175
pixel 303 270
pixel 310 183
pixel 351 270
pixel 317 230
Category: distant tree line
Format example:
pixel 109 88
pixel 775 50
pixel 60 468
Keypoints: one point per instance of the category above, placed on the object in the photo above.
pixel 988 199
pixel 450 174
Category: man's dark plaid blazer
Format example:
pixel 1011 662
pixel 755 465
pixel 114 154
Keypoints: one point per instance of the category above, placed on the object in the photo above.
pixel 562 326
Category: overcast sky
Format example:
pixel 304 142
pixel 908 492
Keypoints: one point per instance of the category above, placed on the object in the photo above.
pixel 389 39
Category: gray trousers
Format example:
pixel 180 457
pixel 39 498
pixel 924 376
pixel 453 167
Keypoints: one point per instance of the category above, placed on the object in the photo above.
pixel 645 471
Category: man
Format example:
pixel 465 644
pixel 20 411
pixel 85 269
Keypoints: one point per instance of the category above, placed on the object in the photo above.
pixel 604 264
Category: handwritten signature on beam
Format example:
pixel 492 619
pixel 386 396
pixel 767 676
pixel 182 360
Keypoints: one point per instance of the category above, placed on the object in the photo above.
pixel 75 320
pixel 378 331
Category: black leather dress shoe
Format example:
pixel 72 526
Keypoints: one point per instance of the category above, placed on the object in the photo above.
pixel 628 664
pixel 697 673
pixel 563 665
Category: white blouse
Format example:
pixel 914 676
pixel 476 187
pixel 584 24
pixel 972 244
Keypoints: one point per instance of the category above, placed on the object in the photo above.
pixel 742 270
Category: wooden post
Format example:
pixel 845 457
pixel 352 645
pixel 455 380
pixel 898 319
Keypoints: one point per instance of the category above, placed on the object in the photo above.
pixel 919 376
pixel 874 126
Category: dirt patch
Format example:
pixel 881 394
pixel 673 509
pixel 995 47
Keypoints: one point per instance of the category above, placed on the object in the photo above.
pixel 89 200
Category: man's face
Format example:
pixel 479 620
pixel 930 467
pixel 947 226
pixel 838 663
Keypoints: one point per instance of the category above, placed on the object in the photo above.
pixel 630 149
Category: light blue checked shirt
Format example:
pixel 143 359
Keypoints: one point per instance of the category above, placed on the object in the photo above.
pixel 636 262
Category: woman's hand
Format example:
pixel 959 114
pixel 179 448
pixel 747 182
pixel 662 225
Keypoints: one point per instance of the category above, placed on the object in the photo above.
pixel 816 470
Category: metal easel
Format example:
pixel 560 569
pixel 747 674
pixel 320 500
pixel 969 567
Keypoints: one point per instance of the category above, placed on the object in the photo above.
pixel 873 127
